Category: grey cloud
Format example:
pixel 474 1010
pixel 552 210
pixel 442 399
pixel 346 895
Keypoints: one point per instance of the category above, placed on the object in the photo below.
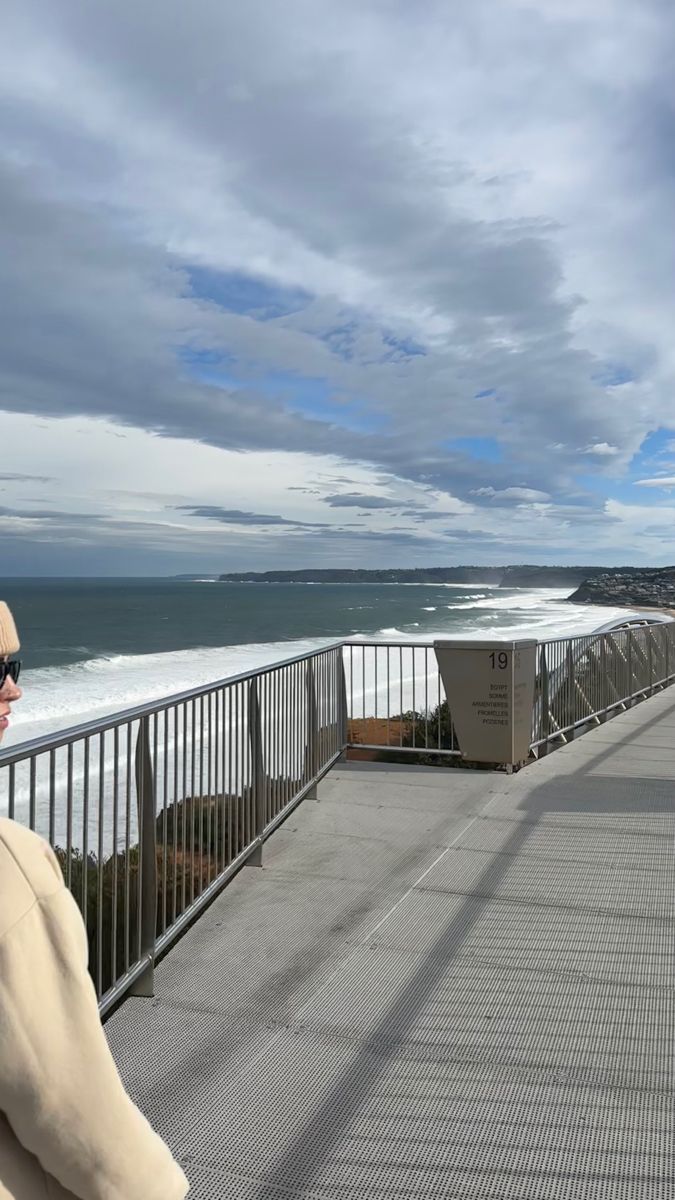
pixel 90 326
pixel 360 500
pixel 46 514
pixel 9 476
pixel 234 516
pixel 425 516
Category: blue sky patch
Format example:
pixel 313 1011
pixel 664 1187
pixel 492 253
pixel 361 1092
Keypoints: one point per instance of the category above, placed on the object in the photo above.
pixel 246 294
pixel 654 453
pixel 311 397
pixel 485 449
pixel 614 374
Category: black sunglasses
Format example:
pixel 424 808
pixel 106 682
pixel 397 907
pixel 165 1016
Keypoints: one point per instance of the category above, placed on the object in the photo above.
pixel 11 669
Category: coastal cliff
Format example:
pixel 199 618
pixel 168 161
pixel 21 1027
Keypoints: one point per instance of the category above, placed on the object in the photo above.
pixel 635 589
pixel 524 575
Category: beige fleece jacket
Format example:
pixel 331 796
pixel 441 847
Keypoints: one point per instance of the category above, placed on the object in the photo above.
pixel 67 1127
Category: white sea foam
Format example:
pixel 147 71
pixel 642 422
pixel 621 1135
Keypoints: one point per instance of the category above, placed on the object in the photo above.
pixel 59 697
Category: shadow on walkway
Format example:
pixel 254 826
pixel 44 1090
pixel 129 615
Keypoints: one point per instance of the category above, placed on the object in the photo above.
pixel 579 792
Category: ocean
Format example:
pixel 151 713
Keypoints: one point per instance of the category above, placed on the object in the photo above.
pixel 91 647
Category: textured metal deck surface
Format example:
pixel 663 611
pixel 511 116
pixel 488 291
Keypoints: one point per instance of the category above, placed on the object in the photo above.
pixel 440 984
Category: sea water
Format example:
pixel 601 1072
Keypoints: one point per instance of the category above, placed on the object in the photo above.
pixel 94 647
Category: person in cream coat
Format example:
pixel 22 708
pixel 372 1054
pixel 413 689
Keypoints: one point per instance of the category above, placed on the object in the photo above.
pixel 67 1127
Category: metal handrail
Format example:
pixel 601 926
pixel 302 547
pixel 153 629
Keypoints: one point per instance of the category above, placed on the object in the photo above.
pixel 153 809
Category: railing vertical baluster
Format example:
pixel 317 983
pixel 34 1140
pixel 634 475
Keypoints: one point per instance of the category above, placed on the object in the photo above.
pixel 32 792
pixel 426 698
pixel 438 708
pixel 52 796
pixel 217 807
pixel 12 791
pixel 414 711
pixel 85 833
pixel 388 713
pixel 400 688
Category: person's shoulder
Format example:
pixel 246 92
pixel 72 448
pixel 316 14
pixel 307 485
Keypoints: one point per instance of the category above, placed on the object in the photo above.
pixel 29 871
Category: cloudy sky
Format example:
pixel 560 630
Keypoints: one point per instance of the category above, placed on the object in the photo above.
pixel 294 283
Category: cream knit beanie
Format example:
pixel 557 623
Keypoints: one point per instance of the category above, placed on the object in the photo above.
pixel 9 638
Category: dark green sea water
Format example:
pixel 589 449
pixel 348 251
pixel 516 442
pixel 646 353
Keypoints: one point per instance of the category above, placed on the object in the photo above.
pixel 71 620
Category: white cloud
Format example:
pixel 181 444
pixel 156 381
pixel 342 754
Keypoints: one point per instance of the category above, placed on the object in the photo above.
pixel 512 493
pixel 665 481
pixel 602 449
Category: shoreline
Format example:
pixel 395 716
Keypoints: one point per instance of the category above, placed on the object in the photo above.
pixel 647 608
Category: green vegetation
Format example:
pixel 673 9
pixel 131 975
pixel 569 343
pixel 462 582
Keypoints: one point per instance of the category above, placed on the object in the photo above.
pixel 195 839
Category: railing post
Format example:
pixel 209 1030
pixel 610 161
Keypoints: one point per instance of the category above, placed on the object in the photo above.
pixel 650 644
pixel 545 713
pixel 312 748
pixel 629 656
pixel 666 648
pixel 147 860
pixel 571 691
pixel 343 728
pixel 258 781
pixel 604 686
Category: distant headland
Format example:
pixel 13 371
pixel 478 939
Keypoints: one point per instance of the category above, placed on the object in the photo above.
pixel 638 588
pixel 525 575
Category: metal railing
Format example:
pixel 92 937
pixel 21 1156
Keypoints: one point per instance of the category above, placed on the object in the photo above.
pixel 396 700
pixel 582 681
pixel 152 810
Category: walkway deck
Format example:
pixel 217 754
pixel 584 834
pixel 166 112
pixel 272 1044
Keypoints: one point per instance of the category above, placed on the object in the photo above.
pixel 442 983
